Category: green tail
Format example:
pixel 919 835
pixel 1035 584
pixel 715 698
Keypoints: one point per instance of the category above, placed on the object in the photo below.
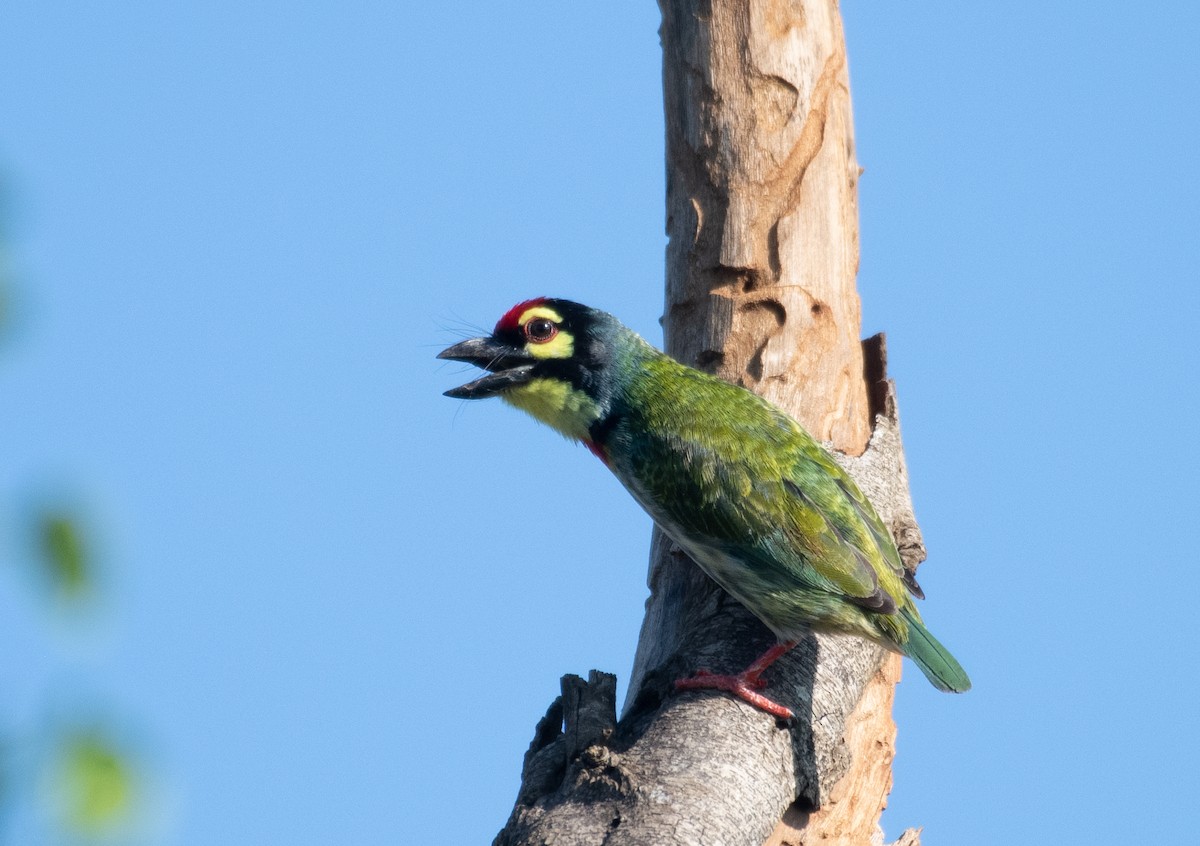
pixel 935 661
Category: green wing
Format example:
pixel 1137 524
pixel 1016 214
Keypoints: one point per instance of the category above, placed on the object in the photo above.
pixel 730 471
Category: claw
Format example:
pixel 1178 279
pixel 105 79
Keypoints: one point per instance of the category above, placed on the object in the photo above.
pixel 745 684
pixel 741 687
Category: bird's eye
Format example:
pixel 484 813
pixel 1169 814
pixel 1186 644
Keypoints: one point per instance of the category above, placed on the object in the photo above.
pixel 540 330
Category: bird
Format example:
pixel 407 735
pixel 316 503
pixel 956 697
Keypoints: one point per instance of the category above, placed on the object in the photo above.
pixel 751 497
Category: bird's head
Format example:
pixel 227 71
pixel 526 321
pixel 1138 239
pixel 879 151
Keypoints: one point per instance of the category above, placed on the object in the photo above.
pixel 551 358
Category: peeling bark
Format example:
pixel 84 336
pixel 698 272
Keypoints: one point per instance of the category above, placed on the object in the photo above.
pixel 763 225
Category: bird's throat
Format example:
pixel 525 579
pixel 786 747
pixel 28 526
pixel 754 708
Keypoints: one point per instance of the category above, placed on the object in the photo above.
pixel 557 404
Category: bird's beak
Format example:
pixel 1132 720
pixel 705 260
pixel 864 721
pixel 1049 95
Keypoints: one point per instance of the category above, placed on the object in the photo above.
pixel 509 367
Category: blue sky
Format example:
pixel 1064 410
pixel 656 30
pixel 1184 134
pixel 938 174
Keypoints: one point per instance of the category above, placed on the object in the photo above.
pixel 332 610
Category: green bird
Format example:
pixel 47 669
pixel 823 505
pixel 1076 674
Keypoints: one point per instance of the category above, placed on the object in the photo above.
pixel 751 497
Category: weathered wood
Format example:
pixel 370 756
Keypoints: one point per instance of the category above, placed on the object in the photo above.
pixel 763 220
pixel 762 209
pixel 855 801
pixel 763 251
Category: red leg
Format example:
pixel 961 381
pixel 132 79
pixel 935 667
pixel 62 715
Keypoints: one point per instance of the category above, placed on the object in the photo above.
pixel 746 684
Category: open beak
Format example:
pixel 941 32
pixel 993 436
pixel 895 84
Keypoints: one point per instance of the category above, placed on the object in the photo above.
pixel 508 367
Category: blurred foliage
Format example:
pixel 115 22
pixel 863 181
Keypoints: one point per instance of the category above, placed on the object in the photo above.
pixel 90 781
pixel 64 561
pixel 90 789
pixel 5 296
pixel 5 262
pixel 92 785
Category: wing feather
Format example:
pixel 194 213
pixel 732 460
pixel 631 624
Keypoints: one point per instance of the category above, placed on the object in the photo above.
pixel 727 470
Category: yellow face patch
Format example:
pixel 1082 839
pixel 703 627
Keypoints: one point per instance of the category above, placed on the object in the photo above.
pixel 556 404
pixel 561 345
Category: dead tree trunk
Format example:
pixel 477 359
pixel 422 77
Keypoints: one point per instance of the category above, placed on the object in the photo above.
pixel 763 224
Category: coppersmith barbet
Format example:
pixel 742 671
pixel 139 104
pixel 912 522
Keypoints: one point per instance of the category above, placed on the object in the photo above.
pixel 751 497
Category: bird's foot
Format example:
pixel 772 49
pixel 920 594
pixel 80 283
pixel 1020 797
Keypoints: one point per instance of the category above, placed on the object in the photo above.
pixel 746 684
pixel 742 686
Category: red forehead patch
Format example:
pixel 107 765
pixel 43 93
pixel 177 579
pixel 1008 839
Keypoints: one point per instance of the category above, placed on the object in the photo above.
pixel 508 322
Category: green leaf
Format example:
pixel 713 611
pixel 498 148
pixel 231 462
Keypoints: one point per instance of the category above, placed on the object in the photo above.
pixel 65 558
pixel 93 784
